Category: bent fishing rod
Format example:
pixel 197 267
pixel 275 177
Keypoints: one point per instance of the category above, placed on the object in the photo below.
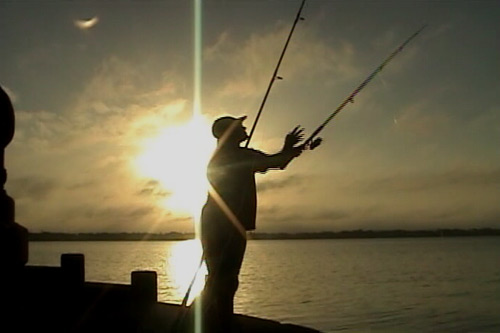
pixel 311 141
pixel 275 75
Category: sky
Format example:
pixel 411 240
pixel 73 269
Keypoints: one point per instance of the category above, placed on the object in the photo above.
pixel 110 138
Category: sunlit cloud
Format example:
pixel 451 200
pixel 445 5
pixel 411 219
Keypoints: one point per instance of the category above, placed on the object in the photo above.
pixel 394 155
pixel 84 177
pixel 86 24
pixel 33 188
pixel 249 63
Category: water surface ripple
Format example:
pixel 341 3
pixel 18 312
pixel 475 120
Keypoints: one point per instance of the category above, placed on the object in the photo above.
pixel 385 285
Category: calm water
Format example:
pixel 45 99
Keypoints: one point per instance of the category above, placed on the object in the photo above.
pixel 387 285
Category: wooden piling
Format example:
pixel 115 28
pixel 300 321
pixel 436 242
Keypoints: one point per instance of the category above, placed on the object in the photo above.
pixel 73 268
pixel 144 286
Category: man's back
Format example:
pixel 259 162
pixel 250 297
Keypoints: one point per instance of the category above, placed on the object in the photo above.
pixel 231 173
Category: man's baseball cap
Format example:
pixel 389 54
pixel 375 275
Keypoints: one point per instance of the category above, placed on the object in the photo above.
pixel 222 124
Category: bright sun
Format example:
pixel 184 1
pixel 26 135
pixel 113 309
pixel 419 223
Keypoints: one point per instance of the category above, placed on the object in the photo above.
pixel 178 158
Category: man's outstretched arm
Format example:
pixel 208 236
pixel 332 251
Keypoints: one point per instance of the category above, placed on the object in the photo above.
pixel 286 155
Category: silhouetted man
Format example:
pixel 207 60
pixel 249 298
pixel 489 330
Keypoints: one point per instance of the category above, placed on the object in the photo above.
pixel 230 211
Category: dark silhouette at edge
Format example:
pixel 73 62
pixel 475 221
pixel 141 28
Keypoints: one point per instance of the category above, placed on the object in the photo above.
pixel 13 236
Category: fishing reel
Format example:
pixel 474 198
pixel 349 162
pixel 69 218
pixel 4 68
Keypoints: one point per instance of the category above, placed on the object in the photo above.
pixel 312 144
pixel 315 143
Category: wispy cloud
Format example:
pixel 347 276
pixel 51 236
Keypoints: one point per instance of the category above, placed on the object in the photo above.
pixel 32 188
pixel 85 24
pixel 247 65
pixel 278 183
pixel 153 188
pixel 450 180
pixel 76 166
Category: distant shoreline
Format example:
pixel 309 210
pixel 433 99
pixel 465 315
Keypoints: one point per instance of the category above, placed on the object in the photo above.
pixel 351 234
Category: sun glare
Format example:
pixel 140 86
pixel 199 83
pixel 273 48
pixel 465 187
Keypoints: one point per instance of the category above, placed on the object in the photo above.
pixel 177 158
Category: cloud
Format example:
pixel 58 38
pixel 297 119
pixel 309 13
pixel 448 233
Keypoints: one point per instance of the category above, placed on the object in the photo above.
pixel 70 168
pixel 301 218
pixel 221 45
pixel 246 66
pixel 366 215
pixel 32 188
pixel 85 24
pixel 153 188
pixel 422 119
pixel 279 183
pixel 437 31
pixel 463 196
pixel 114 106
pixel 109 204
pixel 308 216
pixel 73 170
pixel 41 129
pixel 385 40
pixel 413 183
pixel 486 122
pixel 113 217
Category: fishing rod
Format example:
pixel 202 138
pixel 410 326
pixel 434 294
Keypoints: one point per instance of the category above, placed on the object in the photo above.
pixel 311 141
pixel 177 324
pixel 275 76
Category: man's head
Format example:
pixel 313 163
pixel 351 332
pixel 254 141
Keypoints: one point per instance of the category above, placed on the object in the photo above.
pixel 230 128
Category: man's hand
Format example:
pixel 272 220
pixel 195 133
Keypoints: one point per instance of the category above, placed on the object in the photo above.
pixel 294 137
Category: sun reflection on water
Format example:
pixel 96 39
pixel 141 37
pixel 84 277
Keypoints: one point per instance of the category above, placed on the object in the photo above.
pixel 183 261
